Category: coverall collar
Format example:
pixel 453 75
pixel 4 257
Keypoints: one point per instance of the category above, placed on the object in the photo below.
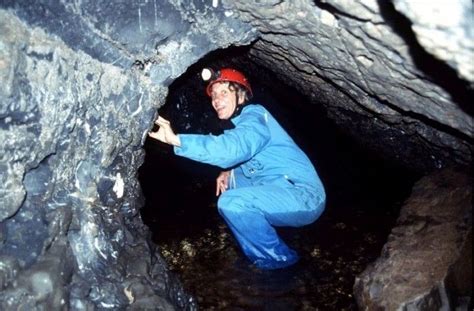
pixel 228 124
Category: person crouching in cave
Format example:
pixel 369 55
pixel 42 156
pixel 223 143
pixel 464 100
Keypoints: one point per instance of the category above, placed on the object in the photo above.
pixel 267 180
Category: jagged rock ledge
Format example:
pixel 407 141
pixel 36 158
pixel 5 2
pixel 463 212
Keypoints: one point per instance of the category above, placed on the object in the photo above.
pixel 427 261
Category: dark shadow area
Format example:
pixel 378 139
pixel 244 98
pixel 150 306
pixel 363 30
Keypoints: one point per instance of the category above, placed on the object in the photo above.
pixel 364 193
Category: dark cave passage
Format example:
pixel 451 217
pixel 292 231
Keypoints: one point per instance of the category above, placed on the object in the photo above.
pixel 364 193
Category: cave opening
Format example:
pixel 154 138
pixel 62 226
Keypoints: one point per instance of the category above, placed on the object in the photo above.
pixel 364 194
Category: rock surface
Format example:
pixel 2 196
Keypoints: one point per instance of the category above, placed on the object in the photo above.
pixel 427 261
pixel 71 130
pixel 371 67
pixel 78 97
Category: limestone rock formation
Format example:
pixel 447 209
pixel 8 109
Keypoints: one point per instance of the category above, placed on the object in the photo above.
pixel 367 64
pixel 71 130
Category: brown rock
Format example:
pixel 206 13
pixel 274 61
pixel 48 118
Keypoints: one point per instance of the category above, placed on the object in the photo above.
pixel 427 262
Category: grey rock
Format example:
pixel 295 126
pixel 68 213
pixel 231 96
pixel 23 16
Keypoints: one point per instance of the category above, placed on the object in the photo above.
pixel 69 124
pixel 445 30
pixel 363 62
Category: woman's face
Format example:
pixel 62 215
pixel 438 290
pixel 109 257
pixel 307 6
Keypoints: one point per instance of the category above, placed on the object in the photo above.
pixel 224 100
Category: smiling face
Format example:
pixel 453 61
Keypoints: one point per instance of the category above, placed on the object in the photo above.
pixel 224 100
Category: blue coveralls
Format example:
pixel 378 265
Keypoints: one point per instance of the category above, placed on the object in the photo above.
pixel 272 183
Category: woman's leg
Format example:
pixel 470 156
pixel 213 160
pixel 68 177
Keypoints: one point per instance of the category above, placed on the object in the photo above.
pixel 250 213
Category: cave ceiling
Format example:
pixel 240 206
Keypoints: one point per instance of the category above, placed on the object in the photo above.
pixel 390 73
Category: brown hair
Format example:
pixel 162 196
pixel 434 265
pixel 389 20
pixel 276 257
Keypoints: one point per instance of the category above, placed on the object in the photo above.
pixel 234 86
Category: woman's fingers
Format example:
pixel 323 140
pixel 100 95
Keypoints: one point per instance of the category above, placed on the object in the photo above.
pixel 221 187
pixel 158 135
pixel 222 182
pixel 162 121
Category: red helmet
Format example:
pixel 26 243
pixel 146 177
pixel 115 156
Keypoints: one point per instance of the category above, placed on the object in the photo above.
pixel 229 75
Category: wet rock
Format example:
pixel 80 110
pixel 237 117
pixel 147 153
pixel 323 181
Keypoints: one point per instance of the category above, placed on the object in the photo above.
pixel 377 70
pixel 68 122
pixel 79 88
pixel 427 261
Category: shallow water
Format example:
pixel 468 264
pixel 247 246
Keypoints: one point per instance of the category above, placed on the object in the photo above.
pixel 201 250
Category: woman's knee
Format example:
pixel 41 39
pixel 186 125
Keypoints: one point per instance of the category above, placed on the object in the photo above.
pixel 225 201
pixel 231 201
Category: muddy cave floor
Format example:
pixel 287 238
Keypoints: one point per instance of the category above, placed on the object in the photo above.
pixel 181 212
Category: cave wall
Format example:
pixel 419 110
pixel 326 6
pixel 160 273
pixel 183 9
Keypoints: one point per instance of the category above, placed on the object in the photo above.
pixel 396 75
pixel 78 97
pixel 71 130
pixel 80 83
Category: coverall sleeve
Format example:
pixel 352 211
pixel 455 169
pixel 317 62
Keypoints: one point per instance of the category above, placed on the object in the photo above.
pixel 230 148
